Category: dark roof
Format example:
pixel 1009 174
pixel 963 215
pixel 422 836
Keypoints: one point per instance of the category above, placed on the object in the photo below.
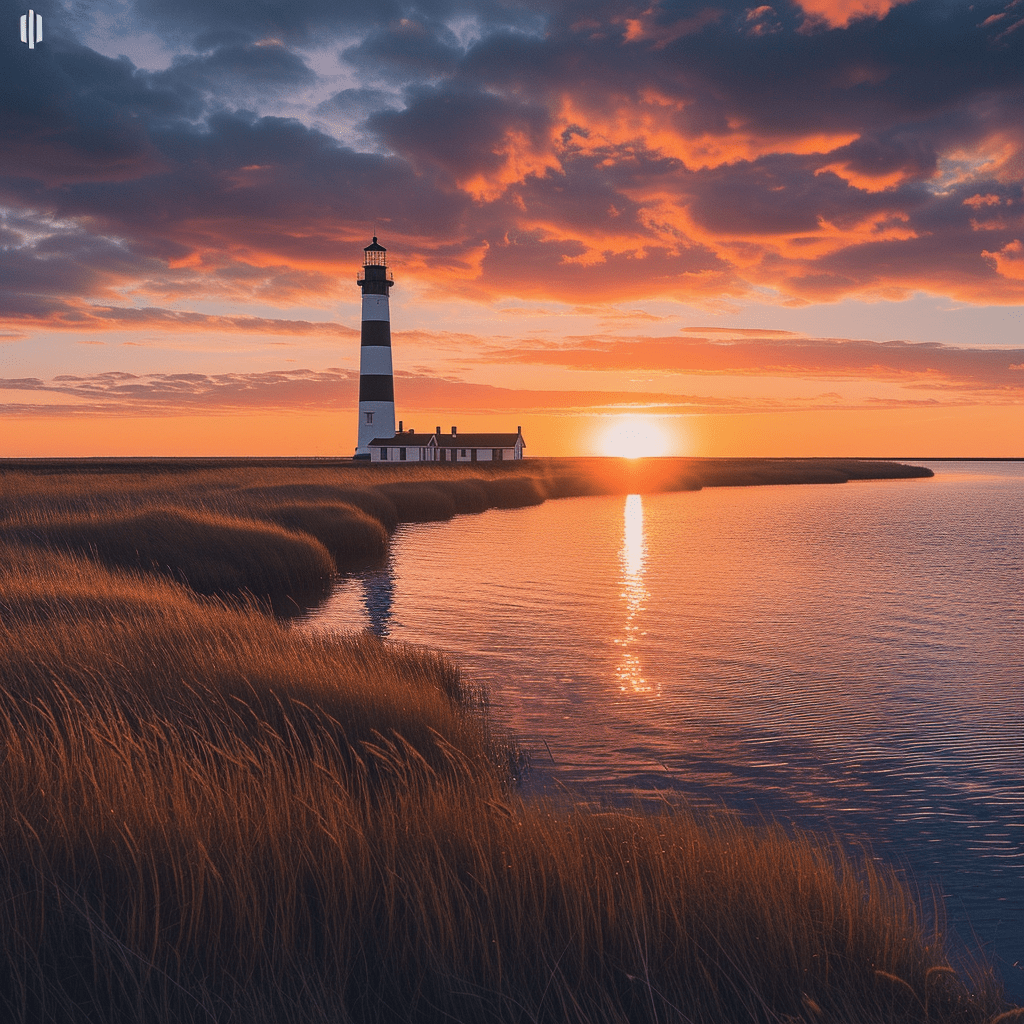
pixel 478 441
pixel 374 247
pixel 448 441
pixel 405 440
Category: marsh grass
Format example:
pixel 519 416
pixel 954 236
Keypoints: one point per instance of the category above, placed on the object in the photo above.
pixel 213 553
pixel 347 532
pixel 207 816
pixel 254 497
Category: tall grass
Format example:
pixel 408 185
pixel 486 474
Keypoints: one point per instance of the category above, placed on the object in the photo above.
pixel 211 552
pixel 207 816
pixel 347 532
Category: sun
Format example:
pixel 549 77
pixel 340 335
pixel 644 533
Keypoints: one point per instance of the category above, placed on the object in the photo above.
pixel 633 437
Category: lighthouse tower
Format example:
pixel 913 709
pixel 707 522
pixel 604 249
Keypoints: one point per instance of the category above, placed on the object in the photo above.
pixel 376 380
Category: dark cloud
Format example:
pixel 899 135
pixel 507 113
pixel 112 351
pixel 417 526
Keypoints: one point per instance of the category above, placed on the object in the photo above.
pixel 72 115
pixel 306 22
pixel 463 134
pixel 550 148
pixel 408 50
pixel 881 156
pixel 358 104
pixel 244 69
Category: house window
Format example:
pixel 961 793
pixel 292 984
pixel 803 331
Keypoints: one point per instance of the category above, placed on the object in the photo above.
pixel 463 452
pixel 369 417
pixel 384 454
pixel 401 454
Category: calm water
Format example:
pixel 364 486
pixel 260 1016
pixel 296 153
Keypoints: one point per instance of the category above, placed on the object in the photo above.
pixel 846 657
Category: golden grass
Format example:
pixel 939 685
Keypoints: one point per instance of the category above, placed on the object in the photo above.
pixel 212 552
pixel 74 483
pixel 347 532
pixel 207 816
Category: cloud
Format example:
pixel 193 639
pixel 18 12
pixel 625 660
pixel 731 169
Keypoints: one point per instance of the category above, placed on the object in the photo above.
pixel 266 66
pixel 772 353
pixel 141 394
pixel 273 391
pixel 478 142
pixel 839 13
pixel 421 396
pixel 554 150
pixel 409 50
pixel 1009 260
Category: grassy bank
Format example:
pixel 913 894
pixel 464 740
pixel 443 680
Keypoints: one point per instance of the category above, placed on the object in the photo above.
pixel 207 816
pixel 278 530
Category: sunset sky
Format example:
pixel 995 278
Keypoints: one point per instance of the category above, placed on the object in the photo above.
pixel 794 229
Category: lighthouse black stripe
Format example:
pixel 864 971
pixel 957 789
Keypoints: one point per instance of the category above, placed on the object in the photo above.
pixel 376 387
pixel 376 332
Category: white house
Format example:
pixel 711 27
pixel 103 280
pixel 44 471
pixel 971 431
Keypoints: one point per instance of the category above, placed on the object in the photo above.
pixel 408 446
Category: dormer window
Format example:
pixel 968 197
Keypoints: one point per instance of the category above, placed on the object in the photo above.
pixel 369 417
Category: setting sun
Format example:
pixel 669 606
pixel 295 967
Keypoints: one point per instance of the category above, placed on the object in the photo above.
pixel 634 437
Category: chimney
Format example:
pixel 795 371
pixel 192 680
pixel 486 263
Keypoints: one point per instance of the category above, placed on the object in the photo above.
pixel 519 430
pixel 437 430
pixel 399 426
pixel 455 430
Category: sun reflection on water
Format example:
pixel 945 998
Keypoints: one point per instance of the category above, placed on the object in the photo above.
pixel 634 593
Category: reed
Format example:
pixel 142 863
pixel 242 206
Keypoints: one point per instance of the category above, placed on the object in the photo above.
pixel 208 816
pixel 255 497
pixel 419 501
pixel 211 552
pixel 350 535
pixel 513 491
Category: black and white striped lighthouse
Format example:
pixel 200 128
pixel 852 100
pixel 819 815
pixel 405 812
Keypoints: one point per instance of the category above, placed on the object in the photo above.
pixel 376 379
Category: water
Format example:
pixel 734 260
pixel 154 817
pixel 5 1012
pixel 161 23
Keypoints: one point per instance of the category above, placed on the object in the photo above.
pixel 839 657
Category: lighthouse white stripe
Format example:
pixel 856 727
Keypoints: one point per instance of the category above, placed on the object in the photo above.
pixel 383 424
pixel 374 359
pixel 375 307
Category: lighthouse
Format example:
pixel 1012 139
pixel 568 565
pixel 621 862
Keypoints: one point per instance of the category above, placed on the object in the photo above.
pixel 376 379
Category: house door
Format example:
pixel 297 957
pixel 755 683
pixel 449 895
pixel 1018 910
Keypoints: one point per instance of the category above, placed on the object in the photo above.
pixel 473 454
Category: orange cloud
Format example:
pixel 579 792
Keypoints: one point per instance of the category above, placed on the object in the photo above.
pixel 619 127
pixel 864 181
pixel 1009 260
pixel 840 13
pixel 76 315
pixel 775 354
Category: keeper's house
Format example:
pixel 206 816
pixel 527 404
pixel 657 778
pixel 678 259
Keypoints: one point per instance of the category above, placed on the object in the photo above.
pixel 408 446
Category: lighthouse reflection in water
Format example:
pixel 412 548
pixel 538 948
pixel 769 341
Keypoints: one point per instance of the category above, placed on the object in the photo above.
pixel 378 587
pixel 633 592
